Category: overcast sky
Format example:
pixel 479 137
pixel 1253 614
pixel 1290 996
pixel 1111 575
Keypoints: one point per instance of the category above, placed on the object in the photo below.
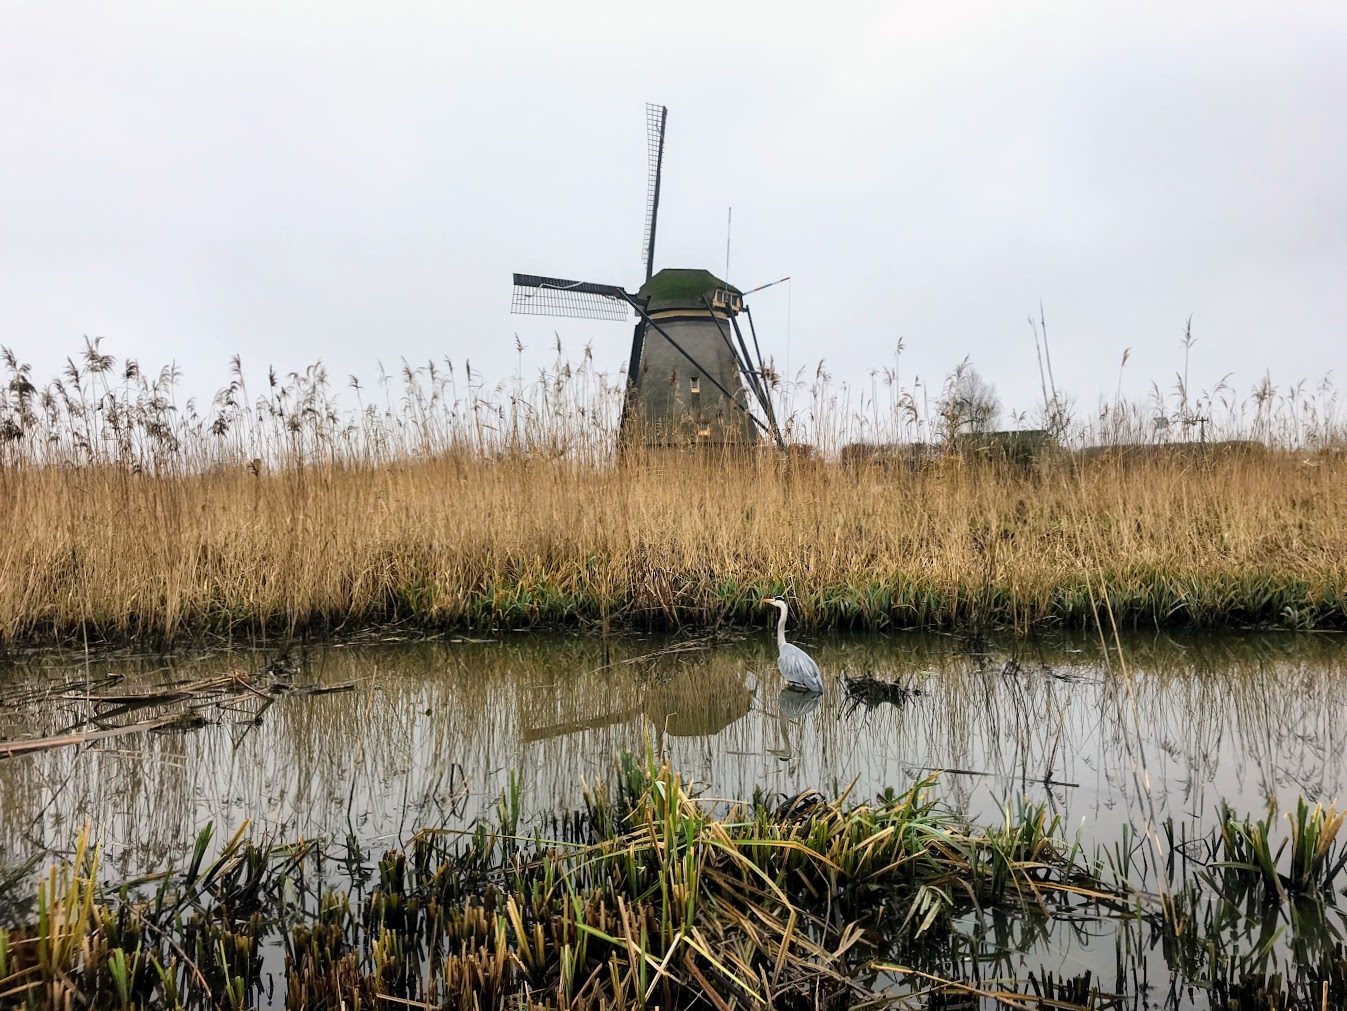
pixel 356 182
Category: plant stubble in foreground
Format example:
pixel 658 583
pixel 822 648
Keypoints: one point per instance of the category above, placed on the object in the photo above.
pixel 651 896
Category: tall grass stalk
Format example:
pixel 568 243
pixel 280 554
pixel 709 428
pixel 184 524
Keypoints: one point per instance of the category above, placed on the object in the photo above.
pixel 453 505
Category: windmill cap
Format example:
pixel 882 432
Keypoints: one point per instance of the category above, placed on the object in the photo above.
pixel 682 288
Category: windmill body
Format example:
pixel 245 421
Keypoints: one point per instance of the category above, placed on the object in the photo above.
pixel 670 400
pixel 691 380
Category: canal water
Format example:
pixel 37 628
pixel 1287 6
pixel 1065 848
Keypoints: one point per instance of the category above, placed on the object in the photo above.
pixel 371 739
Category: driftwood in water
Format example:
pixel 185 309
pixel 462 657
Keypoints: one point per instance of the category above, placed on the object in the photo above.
pixel 8 749
pixel 189 699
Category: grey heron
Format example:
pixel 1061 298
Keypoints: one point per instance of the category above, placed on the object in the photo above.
pixel 796 666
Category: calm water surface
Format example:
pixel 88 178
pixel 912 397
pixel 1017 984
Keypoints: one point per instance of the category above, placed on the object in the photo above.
pixel 428 733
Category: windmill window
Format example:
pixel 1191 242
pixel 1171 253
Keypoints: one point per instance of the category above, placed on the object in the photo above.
pixel 695 385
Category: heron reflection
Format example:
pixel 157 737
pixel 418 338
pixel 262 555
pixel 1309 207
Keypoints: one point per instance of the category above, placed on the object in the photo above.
pixel 792 706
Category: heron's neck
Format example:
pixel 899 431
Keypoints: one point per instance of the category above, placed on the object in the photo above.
pixel 781 627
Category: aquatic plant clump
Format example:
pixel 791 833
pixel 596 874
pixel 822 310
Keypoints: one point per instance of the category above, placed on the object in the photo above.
pixel 646 897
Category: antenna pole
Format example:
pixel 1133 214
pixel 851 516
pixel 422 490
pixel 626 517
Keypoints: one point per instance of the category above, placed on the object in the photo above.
pixel 729 224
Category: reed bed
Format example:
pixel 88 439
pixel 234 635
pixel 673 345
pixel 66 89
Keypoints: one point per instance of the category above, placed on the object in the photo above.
pixel 651 896
pixel 471 543
pixel 507 507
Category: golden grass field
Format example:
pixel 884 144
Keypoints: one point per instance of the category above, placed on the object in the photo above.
pixel 433 500
pixel 461 540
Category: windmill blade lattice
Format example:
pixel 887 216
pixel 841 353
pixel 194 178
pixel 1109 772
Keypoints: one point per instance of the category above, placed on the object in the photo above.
pixel 655 118
pixel 535 295
pixel 691 380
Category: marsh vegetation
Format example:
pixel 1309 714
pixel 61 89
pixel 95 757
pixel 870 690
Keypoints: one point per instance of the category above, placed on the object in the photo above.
pixel 357 747
pixel 648 895
pixel 967 818
pixel 446 504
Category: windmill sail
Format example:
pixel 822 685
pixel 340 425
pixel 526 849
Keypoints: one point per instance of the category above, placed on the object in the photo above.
pixel 690 381
pixel 535 295
pixel 655 117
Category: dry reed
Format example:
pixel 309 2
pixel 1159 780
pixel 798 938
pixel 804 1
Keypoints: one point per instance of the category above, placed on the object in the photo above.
pixel 475 543
pixel 129 517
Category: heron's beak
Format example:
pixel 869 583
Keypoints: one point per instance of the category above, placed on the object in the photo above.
pixel 768 600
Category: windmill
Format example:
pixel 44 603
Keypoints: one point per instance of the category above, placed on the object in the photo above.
pixel 691 379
